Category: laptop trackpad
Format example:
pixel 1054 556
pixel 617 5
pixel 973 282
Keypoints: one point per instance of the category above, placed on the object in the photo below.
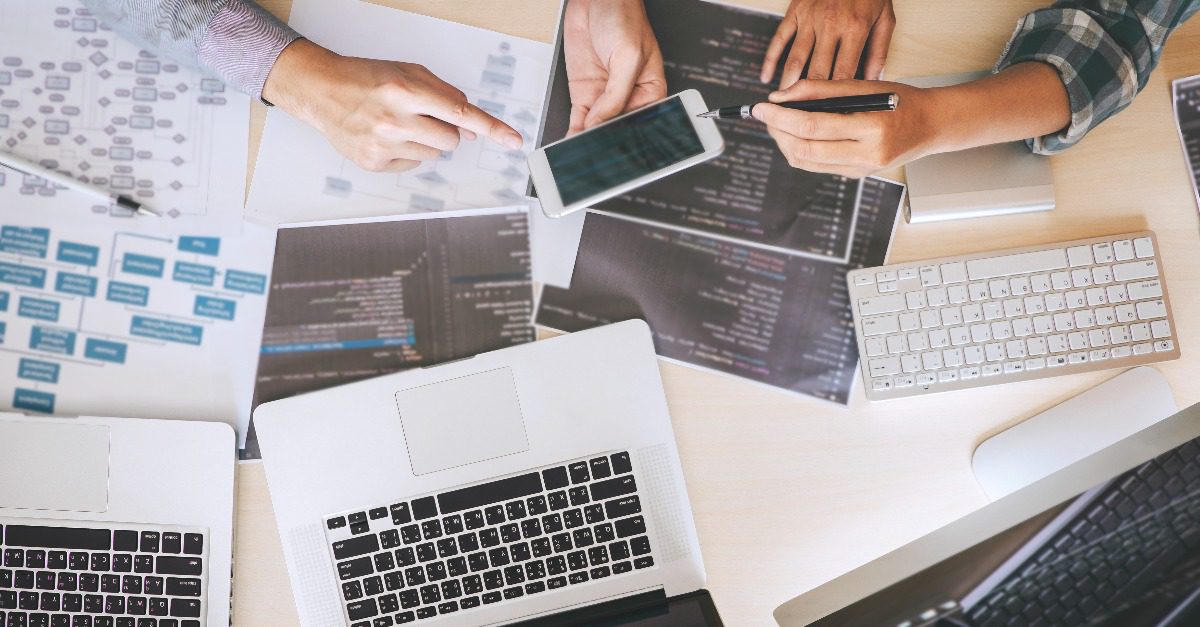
pixel 54 466
pixel 462 421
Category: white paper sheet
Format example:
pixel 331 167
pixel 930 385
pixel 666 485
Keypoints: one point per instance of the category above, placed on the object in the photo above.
pixel 299 177
pixel 553 244
pixel 108 322
pixel 76 97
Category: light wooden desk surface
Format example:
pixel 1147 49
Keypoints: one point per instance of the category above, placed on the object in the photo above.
pixel 790 493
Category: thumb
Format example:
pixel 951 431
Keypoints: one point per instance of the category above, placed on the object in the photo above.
pixel 814 90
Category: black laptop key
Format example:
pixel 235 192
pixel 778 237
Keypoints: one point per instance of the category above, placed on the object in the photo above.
pixel 159 606
pixel 45 581
pixel 452 525
pixel 577 560
pixel 520 552
pixel 58 538
pixel 100 562
pixel 621 463
pixel 426 507
pixel 14 558
pixel 150 542
pixel 410 533
pixel 427 612
pixel 435 571
pixel 514 575
pixel 400 514
pixel 477 561
pixel 8 600
pixel 598 555
pixel 621 568
pixel 594 513
pixel 610 488
pixel 492 597
pixel 350 569
pixel 89 582
pixel 447 607
pixel 110 583
pixel 643 562
pixel 168 565
pixel 489 538
pixel 193 543
pixel 405 617
pixel 51 602
pixel 514 592
pixel 468 542
pixel 469 602
pixel 182 587
pixel 68 582
pixel 430 594
pixel 600 468
pixel 114 605
pixel 122 563
pixel 556 477
pixel 626 506
pixel 377 513
pixel 541 547
pixel 494 514
pixel 556 582
pixel 536 505
pixel 499 557
pixel 578 577
pixel 579 472
pixel 24 580
pixel 640 546
pixel 583 538
pixel 384 562
pixel 357 610
pixel 510 533
pixel 493 579
pixel 360 528
pixel 172 542
pixel 558 500
pixel 600 572
pixel 630 527
pixel 93 603
pixel 35 558
pixel 447 547
pixel 77 561
pixel 56 560
pixel 552 523
pixel 354 547
pixel 409 598
pixel 357 517
pixel 131 584
pixel 74 602
pixel 29 601
pixel 573 518
pixel 414 576
pixel 389 539
pixel 145 564
pixel 472 584
pixel 426 552
pixel 451 589
pixel 562 542
pixel 406 556
pixel 535 570
pixel 152 585
pixel 125 541
pixel 604 533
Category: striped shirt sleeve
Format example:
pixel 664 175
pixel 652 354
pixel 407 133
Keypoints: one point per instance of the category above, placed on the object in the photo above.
pixel 234 40
pixel 1104 51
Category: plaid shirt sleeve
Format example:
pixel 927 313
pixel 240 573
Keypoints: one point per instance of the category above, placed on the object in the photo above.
pixel 1104 50
pixel 235 40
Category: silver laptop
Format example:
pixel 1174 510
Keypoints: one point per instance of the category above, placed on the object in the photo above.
pixel 536 483
pixel 1112 539
pixel 112 522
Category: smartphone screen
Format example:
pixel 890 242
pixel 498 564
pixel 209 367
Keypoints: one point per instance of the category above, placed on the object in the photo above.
pixel 621 151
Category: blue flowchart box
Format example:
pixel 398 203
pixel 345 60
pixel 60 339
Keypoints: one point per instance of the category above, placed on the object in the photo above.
pixel 52 340
pixel 78 284
pixel 166 330
pixel 104 350
pixel 128 293
pixel 144 265
pixel 26 276
pixel 219 308
pixel 200 245
pixel 34 370
pixel 248 282
pixel 194 273
pixel 21 240
pixel 38 309
pixel 78 254
pixel 33 400
pixel 3 301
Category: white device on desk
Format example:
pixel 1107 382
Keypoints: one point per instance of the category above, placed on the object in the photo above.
pixel 108 521
pixel 994 180
pixel 540 480
pixel 1012 315
pixel 624 153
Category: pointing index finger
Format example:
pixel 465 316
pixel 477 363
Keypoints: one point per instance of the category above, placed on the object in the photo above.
pixel 455 109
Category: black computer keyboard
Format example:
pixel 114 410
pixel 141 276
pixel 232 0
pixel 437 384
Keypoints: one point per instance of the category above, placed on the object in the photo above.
pixel 532 533
pixel 66 574
pixel 1140 526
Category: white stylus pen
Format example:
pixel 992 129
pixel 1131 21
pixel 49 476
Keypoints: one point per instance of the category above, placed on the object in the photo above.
pixel 20 165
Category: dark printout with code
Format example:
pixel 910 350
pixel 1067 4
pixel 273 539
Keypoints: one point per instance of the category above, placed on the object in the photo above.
pixel 749 193
pixel 1187 110
pixel 359 300
pixel 777 319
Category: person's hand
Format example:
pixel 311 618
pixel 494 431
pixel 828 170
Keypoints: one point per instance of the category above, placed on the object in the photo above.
pixel 852 144
pixel 383 115
pixel 613 61
pixel 830 36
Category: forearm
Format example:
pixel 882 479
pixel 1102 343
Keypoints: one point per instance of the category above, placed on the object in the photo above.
pixel 234 40
pixel 1026 100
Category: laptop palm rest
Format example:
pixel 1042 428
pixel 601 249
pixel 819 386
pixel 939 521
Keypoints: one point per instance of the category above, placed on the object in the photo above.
pixel 54 466
pixel 461 421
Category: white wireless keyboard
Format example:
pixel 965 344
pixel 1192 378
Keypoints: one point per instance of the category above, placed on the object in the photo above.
pixel 1012 315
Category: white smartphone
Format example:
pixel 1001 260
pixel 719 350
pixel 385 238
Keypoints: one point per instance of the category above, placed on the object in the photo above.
pixel 624 153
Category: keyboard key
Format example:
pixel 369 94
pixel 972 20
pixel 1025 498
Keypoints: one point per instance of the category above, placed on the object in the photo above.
pixel 193 544
pixel 621 464
pixel 426 507
pixel 354 547
pixel 600 468
pixel 1135 270
pixel 643 562
pixel 56 538
pixel 149 542
pixel 609 488
pixel 579 472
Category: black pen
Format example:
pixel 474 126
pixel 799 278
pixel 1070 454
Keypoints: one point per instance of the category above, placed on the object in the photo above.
pixel 842 104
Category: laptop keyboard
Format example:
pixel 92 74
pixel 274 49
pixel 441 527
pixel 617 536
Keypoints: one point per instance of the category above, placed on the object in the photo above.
pixel 543 530
pixel 1113 551
pixel 66 574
